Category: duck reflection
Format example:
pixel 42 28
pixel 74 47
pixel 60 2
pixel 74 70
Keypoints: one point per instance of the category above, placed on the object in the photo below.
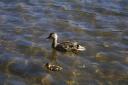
pixel 53 56
pixel 53 65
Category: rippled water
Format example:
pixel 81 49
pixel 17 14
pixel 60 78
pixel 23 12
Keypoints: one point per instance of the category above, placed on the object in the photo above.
pixel 100 25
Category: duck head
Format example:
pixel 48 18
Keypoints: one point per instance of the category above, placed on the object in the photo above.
pixel 52 36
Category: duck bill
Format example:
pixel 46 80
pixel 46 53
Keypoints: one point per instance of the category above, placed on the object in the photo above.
pixel 48 37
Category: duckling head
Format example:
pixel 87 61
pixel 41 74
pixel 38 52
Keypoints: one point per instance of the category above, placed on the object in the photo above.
pixel 52 36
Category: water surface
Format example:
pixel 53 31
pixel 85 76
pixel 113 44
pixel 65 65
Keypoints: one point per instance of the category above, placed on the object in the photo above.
pixel 100 25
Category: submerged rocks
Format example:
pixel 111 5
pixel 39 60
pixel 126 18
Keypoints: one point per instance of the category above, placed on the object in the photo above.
pixel 106 56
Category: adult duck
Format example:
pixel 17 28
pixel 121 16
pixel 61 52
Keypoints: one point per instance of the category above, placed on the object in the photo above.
pixel 66 46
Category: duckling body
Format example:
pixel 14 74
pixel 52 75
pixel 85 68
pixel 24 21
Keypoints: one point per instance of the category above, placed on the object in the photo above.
pixel 65 46
pixel 53 67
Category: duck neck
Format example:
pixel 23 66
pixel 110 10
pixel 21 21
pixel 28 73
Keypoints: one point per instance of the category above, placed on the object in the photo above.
pixel 54 42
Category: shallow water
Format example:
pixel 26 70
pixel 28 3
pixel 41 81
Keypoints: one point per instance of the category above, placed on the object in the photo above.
pixel 100 25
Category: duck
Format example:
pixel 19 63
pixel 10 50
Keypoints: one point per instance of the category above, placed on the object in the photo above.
pixel 53 67
pixel 65 46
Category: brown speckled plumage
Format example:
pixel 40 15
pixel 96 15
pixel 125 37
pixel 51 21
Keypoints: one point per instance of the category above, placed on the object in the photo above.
pixel 53 67
pixel 65 46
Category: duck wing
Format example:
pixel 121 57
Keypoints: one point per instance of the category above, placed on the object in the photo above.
pixel 67 46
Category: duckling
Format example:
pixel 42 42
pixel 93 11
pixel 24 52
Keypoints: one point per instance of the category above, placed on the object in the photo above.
pixel 53 67
pixel 65 46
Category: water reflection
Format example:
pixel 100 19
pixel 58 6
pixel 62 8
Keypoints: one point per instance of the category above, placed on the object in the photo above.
pixel 53 56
